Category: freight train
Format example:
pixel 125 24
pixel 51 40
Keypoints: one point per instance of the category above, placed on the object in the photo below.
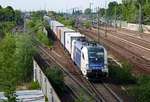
pixel 90 57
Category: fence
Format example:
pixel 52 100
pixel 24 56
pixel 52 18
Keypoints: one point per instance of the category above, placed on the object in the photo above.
pixel 46 86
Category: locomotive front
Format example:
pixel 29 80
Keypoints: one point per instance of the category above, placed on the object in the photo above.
pixel 97 62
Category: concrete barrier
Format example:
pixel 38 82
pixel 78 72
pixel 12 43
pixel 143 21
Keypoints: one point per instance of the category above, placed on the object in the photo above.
pixel 46 86
pixel 131 26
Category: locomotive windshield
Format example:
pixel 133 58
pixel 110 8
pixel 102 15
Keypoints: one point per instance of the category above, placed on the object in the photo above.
pixel 96 54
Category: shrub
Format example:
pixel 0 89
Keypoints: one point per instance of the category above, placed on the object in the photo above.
pixel 46 41
pixel 86 24
pixel 122 75
pixel 55 76
pixel 141 93
pixel 34 85
pixel 43 38
pixel 46 99
pixel 2 34
pixel 30 24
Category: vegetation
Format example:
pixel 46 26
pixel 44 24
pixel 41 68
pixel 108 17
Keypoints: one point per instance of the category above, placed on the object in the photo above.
pixel 140 89
pixel 16 66
pixel 87 11
pixel 46 99
pixel 83 99
pixel 37 15
pixel 24 52
pixel 128 11
pixel 9 18
pixel 11 95
pixel 122 75
pixel 5 28
pixel 11 51
pixel 9 14
pixel 34 85
pixel 140 92
pixel 55 76
pixel 87 24
pixel 35 28
pixel 70 22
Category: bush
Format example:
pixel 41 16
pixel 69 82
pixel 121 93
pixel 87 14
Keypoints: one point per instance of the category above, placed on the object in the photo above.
pixel 55 76
pixel 122 75
pixel 43 38
pixel 46 25
pixel 2 34
pixel 141 93
pixel 30 24
pixel 46 99
pixel 34 85
pixel 7 26
pixel 86 24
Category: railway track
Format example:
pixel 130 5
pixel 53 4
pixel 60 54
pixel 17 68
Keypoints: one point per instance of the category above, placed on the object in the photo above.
pixel 135 45
pixel 139 62
pixel 71 77
pixel 83 83
pixel 130 37
pixel 132 33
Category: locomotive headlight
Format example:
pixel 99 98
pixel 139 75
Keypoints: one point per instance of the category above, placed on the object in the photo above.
pixel 105 69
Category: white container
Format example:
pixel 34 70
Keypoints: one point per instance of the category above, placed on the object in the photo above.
pixel 51 25
pixel 65 30
pixel 69 38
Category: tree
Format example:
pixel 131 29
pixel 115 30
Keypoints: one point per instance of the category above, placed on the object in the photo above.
pixel 55 76
pixel 25 50
pixel 10 14
pixel 9 74
pixel 18 17
pixel 87 11
pixel 52 14
pixel 111 8
pixel 7 14
pixel 39 14
pixel 76 12
pixel 86 23
pixel 101 11
pixel 11 95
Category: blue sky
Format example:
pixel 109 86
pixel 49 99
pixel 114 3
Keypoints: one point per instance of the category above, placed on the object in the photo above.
pixel 56 5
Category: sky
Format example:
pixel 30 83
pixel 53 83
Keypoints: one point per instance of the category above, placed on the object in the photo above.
pixel 54 5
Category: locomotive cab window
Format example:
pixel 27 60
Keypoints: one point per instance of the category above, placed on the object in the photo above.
pixel 96 55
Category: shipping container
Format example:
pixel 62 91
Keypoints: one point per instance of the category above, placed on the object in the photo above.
pixel 55 26
pixel 59 33
pixel 69 38
pixel 65 30
pixel 51 25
